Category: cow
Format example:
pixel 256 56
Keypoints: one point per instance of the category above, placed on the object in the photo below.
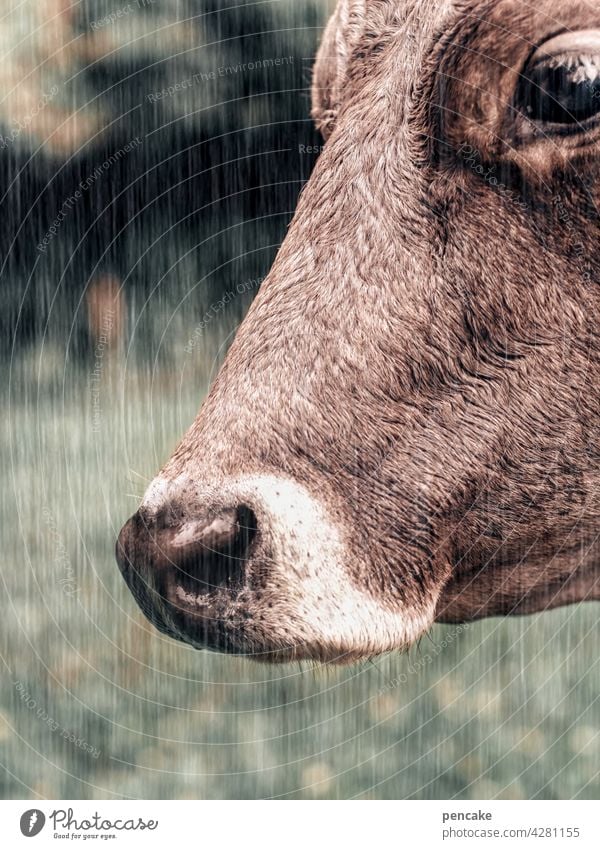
pixel 406 428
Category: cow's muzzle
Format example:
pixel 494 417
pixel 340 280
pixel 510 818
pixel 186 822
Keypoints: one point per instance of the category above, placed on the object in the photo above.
pixel 257 566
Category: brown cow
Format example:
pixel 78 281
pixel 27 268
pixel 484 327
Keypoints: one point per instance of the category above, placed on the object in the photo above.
pixel 406 428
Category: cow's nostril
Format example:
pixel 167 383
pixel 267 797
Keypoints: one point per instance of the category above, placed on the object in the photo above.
pixel 208 552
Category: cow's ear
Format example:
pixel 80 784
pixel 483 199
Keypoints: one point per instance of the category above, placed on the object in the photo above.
pixel 340 37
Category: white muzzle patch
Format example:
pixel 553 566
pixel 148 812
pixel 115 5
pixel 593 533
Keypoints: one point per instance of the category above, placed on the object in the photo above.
pixel 308 598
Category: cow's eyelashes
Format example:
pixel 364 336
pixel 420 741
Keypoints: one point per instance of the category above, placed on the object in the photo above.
pixel 561 83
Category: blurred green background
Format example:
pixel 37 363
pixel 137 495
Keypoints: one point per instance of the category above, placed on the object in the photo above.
pixel 98 389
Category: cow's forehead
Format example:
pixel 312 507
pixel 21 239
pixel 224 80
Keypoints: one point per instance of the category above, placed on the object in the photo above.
pixel 501 30
pixel 426 15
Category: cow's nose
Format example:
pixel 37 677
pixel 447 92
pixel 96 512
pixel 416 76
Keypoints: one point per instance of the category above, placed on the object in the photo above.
pixel 209 551
pixel 189 557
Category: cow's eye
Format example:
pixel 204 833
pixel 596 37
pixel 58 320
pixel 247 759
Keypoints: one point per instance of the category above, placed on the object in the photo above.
pixel 561 83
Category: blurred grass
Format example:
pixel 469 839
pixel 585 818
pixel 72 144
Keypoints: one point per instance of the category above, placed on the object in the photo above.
pixel 508 709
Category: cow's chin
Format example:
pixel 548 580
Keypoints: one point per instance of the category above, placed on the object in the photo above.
pixel 292 598
pixel 337 626
pixel 276 635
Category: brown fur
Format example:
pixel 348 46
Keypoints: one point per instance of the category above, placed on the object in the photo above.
pixel 424 353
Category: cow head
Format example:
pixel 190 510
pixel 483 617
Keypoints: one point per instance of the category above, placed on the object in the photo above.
pixel 406 427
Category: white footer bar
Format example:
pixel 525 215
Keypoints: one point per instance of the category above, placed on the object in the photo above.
pixel 301 824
